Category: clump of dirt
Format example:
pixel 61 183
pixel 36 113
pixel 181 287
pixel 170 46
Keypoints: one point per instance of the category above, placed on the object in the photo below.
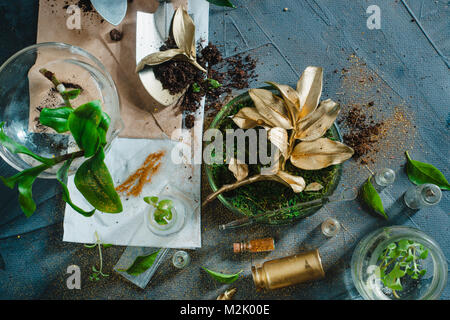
pixel 363 133
pixel 85 5
pixel 115 35
pixel 222 77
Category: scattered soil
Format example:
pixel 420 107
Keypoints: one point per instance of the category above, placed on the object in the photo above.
pixel 363 133
pixel 232 73
pixel 134 184
pixel 85 5
pixel 115 35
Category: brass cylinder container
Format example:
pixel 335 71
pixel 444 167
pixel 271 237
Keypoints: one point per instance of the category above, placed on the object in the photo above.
pixel 288 271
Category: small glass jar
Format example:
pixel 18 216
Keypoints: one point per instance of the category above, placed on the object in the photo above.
pixel 330 227
pixel 172 225
pixel 365 260
pixel 385 177
pixel 181 259
pixel 423 195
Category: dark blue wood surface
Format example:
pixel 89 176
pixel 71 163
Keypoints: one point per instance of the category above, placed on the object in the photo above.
pixel 407 58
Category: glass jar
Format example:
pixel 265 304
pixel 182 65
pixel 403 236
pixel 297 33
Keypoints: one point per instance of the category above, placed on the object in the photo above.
pixel 365 260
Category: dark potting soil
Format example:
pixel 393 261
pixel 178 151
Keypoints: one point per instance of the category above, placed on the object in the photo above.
pixel 363 133
pixel 232 73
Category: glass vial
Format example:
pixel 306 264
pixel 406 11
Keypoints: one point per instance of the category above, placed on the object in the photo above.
pixel 330 227
pixel 385 177
pixel 423 195
pixel 288 271
pixel 181 259
pixel 257 245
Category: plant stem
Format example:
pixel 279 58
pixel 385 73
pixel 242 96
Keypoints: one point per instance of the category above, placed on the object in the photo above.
pixel 229 187
pixel 51 76
pixel 67 156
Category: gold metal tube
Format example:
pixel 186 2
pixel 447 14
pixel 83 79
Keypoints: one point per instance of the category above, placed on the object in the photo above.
pixel 288 271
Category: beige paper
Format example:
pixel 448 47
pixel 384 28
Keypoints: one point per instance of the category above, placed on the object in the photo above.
pixel 142 115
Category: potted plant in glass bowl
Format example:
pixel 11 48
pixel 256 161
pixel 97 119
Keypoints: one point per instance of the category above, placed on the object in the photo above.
pixel 308 142
pixel 79 135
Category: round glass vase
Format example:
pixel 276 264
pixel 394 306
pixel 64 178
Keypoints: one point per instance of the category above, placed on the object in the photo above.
pixel 20 76
pixel 365 261
pixel 226 112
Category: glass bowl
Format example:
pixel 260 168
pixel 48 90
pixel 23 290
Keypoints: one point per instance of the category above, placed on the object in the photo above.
pixel 364 266
pixel 24 91
pixel 225 112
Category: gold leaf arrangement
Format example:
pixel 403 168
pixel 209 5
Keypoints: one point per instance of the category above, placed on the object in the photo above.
pixel 183 30
pixel 298 115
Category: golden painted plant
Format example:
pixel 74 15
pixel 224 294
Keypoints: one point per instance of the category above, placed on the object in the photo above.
pixel 296 123
pixel 183 30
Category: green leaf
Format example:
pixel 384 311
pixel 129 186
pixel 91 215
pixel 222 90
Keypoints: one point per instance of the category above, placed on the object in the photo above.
pixel 61 176
pixel 107 245
pixel 165 204
pixel 420 173
pixel 424 255
pixel 223 278
pixel 372 198
pixel 14 147
pixel 70 94
pixel 222 3
pixel 141 264
pixel 83 123
pixel 214 84
pixel 94 182
pixel 195 87
pixel 24 181
pixel 103 128
pixel 56 119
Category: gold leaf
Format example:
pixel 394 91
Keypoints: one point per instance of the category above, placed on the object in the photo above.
pixel 160 57
pixel 248 118
pixel 183 30
pixel 319 154
pixel 279 137
pixel 291 98
pixel 315 126
pixel 309 88
pixel 297 183
pixel 239 169
pixel 271 107
pixel 314 186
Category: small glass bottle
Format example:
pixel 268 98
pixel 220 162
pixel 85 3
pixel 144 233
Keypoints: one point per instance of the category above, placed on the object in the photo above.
pixel 422 195
pixel 257 245
pixel 181 259
pixel 288 271
pixel 330 227
pixel 385 177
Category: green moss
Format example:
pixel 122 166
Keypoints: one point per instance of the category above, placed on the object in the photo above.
pixel 270 195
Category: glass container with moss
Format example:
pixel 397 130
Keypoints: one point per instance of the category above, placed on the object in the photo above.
pixel 263 196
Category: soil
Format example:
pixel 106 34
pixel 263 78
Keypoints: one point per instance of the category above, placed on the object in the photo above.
pixel 232 73
pixel 363 133
pixel 115 35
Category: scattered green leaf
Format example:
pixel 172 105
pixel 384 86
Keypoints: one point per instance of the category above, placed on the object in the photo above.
pixel 372 198
pixel 213 84
pixel 222 277
pixel 420 173
pixel 141 264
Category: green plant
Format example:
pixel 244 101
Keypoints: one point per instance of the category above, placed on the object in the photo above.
pixel 88 125
pixel 213 84
pixel 96 273
pixel 222 277
pixel 400 259
pixel 163 209
pixel 420 173
pixel 141 264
